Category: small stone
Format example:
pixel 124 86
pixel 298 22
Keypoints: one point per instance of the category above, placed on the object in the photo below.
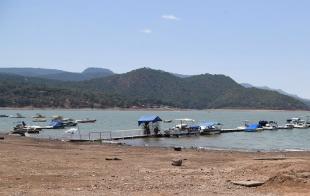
pixel 248 183
pixel 113 159
pixel 177 162
pixel 178 148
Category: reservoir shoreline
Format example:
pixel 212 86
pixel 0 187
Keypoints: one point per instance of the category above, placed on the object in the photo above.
pixel 36 166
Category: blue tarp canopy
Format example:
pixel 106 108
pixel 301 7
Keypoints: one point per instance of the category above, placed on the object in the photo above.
pixel 56 124
pixel 148 119
pixel 252 127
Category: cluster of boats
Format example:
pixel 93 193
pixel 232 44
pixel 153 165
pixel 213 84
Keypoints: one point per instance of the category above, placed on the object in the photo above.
pixel 151 125
pixel 292 123
pixel 18 115
pixel 186 126
pixel 56 122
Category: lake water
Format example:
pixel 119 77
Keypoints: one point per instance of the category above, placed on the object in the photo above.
pixel 280 140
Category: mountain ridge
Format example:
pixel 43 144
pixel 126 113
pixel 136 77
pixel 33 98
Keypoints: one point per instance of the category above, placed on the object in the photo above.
pixel 306 101
pixel 141 88
pixel 147 86
pixel 55 74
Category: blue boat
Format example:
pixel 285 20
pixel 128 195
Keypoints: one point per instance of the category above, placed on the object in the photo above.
pixel 56 124
pixel 253 128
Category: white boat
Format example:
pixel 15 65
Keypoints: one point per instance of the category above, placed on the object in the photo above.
pixel 268 125
pixel 22 129
pixel 210 128
pixel 18 115
pixel 243 127
pixel 71 131
pixel 38 116
pixel 183 127
pixel 86 121
pixel 39 120
pixel 297 123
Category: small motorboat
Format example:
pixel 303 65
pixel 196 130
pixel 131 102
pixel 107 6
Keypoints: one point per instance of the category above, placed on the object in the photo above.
pixel 69 122
pixel 39 120
pixel 250 127
pixel 210 128
pixel 71 131
pixel 86 121
pixel 38 116
pixel 268 125
pixel 297 123
pixel 286 126
pixel 253 128
pixel 55 124
pixel 18 115
pixel 183 127
pixel 22 129
pixel 3 116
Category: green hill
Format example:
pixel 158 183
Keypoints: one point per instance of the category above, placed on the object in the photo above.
pixel 154 87
pixel 20 91
pixel 142 88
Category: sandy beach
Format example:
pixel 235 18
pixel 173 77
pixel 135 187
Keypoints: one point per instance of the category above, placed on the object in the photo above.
pixel 42 167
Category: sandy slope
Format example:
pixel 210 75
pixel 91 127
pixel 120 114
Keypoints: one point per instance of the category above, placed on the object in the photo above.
pixel 40 167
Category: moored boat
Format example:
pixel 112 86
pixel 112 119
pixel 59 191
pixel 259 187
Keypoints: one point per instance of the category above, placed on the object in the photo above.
pixel 253 128
pixel 18 115
pixel 38 115
pixel 250 127
pixel 55 124
pixel 183 127
pixel 297 123
pixel 22 129
pixel 268 125
pixel 39 120
pixel 86 121
pixel 210 128
pixel 3 116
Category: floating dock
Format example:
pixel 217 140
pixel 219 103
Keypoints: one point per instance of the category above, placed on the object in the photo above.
pixel 231 130
pixel 105 136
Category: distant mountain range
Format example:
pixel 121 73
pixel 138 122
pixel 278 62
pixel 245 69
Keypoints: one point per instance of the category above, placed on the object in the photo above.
pixel 140 88
pixel 306 101
pixel 87 74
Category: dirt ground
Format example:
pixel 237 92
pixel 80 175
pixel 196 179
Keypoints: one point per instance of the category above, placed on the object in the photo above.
pixel 41 167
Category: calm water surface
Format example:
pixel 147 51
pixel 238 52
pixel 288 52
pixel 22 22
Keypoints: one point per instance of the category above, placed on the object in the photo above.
pixel 296 139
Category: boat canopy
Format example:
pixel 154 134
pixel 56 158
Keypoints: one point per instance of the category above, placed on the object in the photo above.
pixel 148 119
pixel 253 127
pixel 209 124
pixel 56 124
pixel 185 119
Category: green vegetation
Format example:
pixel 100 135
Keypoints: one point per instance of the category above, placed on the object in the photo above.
pixel 142 88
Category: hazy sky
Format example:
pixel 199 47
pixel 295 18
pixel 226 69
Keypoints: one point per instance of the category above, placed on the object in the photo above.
pixel 262 42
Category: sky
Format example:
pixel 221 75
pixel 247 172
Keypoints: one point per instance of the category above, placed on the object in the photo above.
pixel 261 42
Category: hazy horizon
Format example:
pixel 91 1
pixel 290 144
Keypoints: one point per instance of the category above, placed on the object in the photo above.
pixel 263 43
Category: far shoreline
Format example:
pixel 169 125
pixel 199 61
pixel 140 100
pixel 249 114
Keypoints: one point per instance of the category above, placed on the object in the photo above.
pixel 149 109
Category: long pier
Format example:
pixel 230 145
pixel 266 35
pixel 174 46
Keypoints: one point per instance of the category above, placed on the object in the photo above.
pixel 119 135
